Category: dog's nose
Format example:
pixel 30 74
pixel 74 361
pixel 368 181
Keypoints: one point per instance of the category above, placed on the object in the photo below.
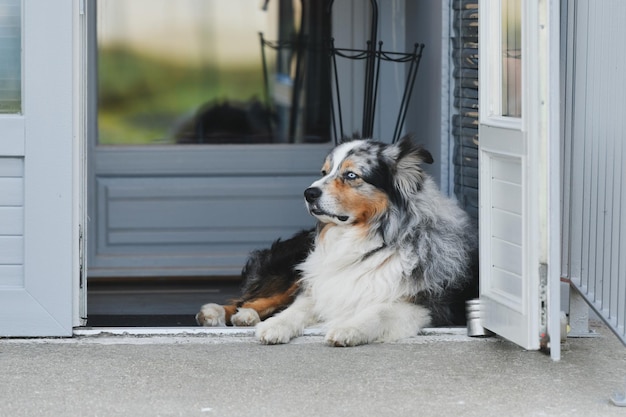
pixel 311 194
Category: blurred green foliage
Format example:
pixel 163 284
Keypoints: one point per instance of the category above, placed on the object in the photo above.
pixel 142 99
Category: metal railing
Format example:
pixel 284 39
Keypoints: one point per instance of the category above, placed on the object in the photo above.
pixel 594 159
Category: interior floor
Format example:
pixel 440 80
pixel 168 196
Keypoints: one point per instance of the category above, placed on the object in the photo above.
pixel 156 302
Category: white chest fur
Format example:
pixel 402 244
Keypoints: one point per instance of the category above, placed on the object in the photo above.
pixel 347 273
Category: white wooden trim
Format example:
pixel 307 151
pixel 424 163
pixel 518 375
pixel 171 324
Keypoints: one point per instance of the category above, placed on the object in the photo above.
pixel 79 183
pixel 12 134
pixel 490 93
pixel 490 63
pixel 504 122
pixel 49 145
pixel 553 94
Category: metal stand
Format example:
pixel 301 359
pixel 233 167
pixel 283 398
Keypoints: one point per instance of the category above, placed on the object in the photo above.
pixel 372 56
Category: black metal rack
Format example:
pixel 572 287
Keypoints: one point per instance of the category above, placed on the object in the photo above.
pixel 372 56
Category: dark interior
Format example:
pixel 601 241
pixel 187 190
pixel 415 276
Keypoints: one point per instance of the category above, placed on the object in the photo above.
pixel 155 302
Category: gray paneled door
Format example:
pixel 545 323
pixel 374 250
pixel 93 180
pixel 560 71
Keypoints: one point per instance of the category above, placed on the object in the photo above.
pixel 200 145
pixel 194 210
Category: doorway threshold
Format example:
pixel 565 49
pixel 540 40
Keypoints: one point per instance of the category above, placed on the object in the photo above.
pixel 164 331
pixel 457 332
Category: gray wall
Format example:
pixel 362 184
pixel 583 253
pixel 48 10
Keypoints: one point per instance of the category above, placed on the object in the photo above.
pixel 425 117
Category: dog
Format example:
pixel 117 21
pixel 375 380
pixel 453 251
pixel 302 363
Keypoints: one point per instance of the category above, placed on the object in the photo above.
pixel 390 255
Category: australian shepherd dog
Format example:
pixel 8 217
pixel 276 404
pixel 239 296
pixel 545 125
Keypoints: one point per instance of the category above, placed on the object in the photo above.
pixel 390 255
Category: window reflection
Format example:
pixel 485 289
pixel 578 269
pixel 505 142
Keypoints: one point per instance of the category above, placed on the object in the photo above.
pixel 192 71
pixel 511 58
pixel 10 56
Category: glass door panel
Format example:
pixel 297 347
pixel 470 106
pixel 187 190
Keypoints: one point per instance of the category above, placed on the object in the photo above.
pixel 196 107
pixel 512 58
pixel 10 56
pixel 211 71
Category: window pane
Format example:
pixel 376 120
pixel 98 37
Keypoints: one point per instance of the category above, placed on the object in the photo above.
pixel 512 58
pixel 10 56
pixel 192 71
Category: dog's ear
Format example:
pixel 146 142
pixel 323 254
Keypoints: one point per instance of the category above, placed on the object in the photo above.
pixel 407 147
pixel 407 159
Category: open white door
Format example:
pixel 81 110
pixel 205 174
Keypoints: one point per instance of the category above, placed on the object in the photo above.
pixel 38 236
pixel 518 129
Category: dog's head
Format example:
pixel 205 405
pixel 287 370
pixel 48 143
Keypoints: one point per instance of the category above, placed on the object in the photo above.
pixel 363 179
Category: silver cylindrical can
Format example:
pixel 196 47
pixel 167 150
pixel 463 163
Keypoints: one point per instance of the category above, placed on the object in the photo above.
pixel 475 319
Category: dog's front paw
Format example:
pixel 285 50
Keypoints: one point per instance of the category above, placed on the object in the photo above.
pixel 211 315
pixel 273 332
pixel 346 336
pixel 245 317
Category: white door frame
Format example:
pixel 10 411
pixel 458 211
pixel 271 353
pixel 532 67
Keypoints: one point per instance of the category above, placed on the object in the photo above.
pixel 81 114
pixel 551 30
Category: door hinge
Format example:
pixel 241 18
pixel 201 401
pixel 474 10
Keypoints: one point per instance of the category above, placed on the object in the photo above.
pixel 81 257
pixel 82 277
pixel 544 337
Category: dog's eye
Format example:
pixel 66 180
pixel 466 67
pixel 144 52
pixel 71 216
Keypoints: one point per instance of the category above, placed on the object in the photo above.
pixel 324 173
pixel 350 175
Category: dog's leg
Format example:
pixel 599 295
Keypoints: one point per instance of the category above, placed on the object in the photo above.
pixel 246 313
pixel 252 312
pixel 287 324
pixel 212 315
pixel 379 323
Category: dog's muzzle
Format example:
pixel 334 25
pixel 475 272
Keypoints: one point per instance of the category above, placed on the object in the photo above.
pixel 312 194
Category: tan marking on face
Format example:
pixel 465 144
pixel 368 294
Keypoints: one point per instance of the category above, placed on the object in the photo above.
pixel 348 165
pixel 362 203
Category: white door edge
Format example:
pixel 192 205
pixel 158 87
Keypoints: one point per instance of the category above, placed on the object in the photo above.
pixel 530 145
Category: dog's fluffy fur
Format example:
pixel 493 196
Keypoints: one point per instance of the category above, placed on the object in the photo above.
pixel 390 255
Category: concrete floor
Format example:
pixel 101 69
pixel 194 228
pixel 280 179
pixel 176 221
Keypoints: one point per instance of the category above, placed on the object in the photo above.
pixel 233 375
